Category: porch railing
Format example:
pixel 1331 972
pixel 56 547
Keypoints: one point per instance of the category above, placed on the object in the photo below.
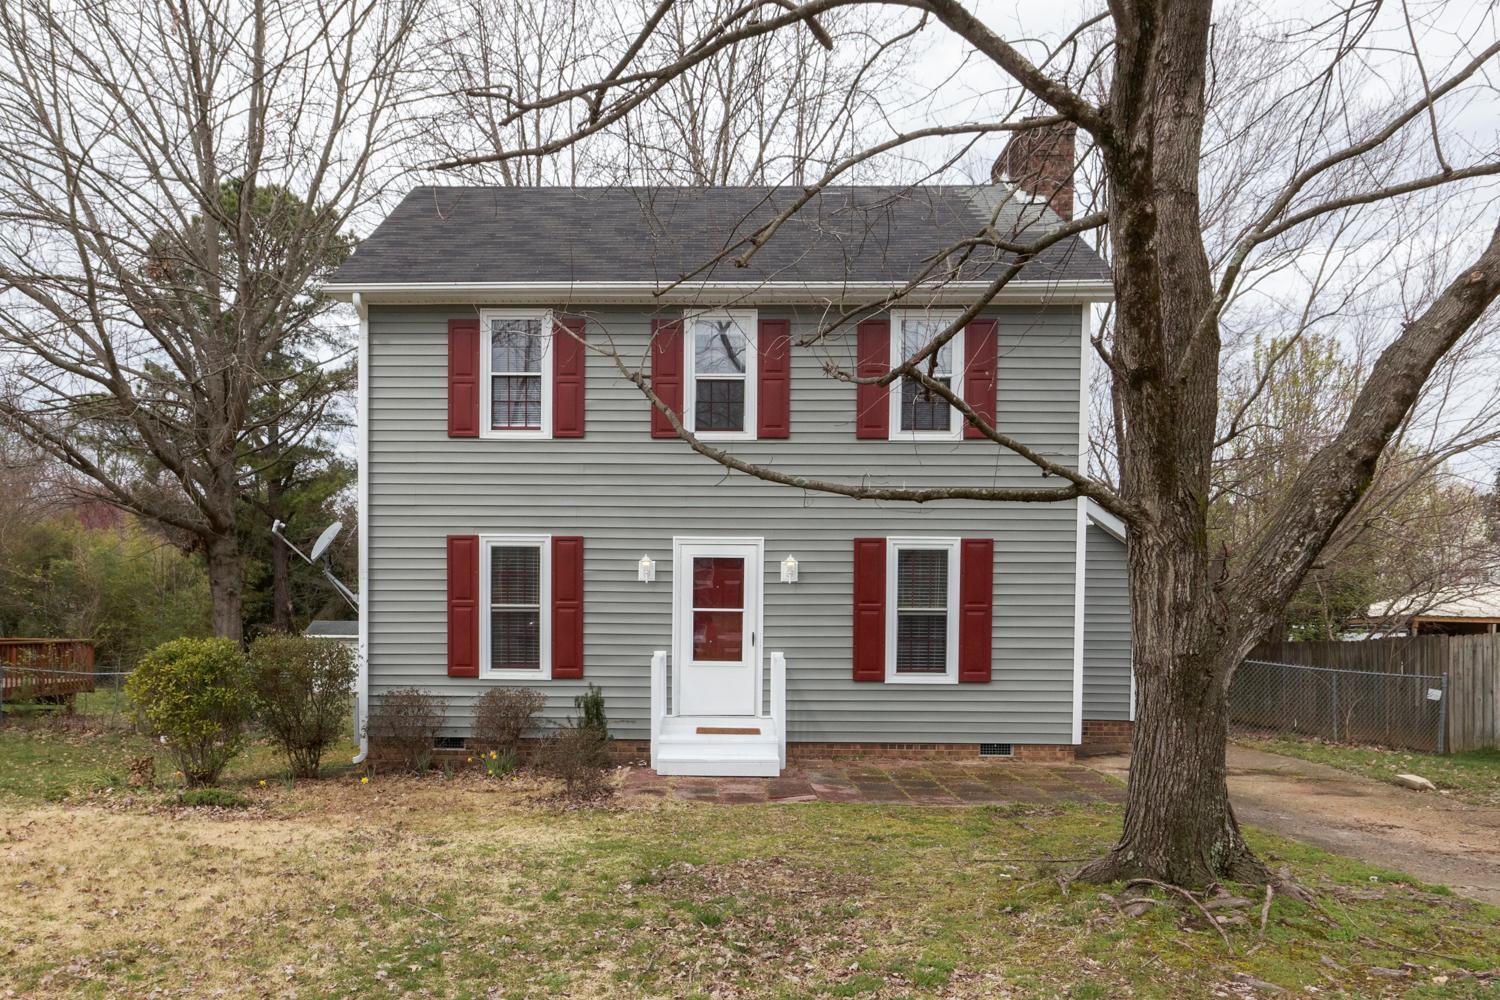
pixel 658 699
pixel 778 702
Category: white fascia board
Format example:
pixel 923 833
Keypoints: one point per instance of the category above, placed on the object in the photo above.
pixel 736 292
pixel 1106 522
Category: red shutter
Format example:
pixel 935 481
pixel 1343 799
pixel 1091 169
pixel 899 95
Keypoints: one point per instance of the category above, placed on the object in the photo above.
pixel 869 609
pixel 976 602
pixel 463 605
pixel 872 401
pixel 567 607
pixel 774 404
pixel 463 378
pixel 666 373
pixel 567 377
pixel 980 362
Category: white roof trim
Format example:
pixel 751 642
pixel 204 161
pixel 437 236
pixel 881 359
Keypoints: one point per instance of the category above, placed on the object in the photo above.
pixel 1105 521
pixel 747 292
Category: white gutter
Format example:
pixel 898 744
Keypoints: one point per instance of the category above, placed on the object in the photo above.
pixel 748 292
pixel 362 683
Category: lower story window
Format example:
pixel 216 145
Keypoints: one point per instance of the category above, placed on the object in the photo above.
pixel 923 613
pixel 517 628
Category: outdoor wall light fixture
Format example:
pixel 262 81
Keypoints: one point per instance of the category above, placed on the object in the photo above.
pixel 646 570
pixel 789 569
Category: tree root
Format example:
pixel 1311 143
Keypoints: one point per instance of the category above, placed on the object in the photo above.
pixel 1185 894
pixel 1289 887
pixel 1242 867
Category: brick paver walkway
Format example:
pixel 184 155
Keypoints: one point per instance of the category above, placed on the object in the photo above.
pixel 909 782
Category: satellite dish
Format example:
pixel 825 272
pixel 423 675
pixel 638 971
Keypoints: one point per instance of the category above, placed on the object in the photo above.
pixel 325 539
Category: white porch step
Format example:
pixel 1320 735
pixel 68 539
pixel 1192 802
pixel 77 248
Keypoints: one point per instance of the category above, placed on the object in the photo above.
pixel 682 749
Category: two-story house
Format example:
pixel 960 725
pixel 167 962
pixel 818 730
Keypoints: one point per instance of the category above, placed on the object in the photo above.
pixel 528 518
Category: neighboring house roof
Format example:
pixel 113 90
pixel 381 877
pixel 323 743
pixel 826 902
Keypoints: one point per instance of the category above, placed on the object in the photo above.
pixel 1481 601
pixel 458 235
pixel 332 629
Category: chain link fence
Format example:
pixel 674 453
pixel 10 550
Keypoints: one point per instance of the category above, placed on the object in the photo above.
pixel 1341 706
pixel 93 697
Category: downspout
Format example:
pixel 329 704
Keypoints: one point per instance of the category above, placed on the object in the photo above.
pixel 362 684
pixel 1080 542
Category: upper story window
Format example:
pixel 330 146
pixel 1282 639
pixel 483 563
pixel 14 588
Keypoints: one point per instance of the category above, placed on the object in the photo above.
pixel 721 374
pixel 517 351
pixel 922 610
pixel 918 412
pixel 516 632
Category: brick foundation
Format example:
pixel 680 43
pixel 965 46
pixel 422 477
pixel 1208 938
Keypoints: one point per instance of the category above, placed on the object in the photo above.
pixel 1034 752
pixel 1102 736
pixel 620 752
pixel 638 751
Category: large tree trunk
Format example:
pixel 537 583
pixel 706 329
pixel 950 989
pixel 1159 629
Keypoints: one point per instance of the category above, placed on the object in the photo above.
pixel 281 563
pixel 226 587
pixel 1179 826
pixel 281 589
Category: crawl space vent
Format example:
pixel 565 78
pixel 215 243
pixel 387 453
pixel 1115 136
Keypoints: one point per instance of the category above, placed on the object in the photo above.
pixel 449 743
pixel 996 750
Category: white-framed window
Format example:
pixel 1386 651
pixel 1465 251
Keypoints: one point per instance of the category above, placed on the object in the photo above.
pixel 515 583
pixel 720 394
pixel 516 363
pixel 921 626
pixel 918 413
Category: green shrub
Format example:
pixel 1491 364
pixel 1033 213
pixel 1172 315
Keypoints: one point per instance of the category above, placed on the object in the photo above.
pixel 502 716
pixel 194 695
pixel 211 798
pixel 577 754
pixel 590 706
pixel 301 688
pixel 404 726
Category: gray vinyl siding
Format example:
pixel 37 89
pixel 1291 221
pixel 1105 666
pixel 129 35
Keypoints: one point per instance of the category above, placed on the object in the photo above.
pixel 628 494
pixel 1106 628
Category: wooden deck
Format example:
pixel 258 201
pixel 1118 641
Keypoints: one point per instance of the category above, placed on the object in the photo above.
pixel 45 669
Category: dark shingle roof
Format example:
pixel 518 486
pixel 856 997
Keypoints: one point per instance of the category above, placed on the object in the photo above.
pixel 519 234
pixel 327 628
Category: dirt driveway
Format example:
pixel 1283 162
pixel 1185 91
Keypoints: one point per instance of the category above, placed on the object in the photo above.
pixel 1424 834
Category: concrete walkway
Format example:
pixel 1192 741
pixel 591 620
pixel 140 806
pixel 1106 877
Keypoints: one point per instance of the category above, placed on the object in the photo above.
pixel 1424 834
pixel 945 783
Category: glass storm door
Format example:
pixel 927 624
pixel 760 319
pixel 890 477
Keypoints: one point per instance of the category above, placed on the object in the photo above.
pixel 716 642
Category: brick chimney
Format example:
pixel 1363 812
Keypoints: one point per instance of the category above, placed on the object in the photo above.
pixel 1039 161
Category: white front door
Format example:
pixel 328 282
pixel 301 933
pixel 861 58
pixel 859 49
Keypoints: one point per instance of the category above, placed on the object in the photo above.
pixel 716 625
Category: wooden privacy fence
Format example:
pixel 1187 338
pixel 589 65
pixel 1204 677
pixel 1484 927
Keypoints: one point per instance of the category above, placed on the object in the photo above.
pixel 50 669
pixel 1471 664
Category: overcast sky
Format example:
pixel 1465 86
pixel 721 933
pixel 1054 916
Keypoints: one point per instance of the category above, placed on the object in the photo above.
pixel 1448 34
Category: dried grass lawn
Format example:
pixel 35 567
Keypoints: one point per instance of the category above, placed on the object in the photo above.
pixel 465 887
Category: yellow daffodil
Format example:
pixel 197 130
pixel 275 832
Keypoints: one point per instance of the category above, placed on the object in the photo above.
pixel 364 781
pixel 263 782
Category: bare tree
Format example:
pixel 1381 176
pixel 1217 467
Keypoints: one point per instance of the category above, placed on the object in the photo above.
pixel 173 175
pixel 1136 81
pixel 1418 532
pixel 778 108
pixel 526 50
pixel 773 108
